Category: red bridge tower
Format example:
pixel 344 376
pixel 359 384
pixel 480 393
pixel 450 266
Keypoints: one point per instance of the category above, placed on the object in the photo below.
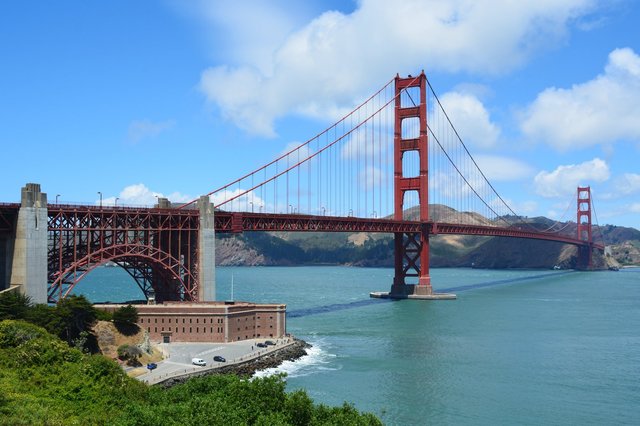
pixel 584 227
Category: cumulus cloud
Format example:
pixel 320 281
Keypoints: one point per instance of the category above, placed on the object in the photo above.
pixel 565 179
pixel 339 57
pixel 635 208
pixel 140 195
pixel 497 168
pixel 147 129
pixel 239 200
pixel 601 111
pixel 471 119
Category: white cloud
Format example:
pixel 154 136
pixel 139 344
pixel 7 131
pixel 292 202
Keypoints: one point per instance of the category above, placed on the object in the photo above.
pixel 635 208
pixel 145 129
pixel 628 184
pixel 338 58
pixel 564 180
pixel 471 119
pixel 246 202
pixel 497 168
pixel 139 195
pixel 297 151
pixel 601 111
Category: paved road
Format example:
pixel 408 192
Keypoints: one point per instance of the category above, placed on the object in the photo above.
pixel 178 356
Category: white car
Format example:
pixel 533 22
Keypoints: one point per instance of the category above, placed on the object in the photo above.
pixel 199 361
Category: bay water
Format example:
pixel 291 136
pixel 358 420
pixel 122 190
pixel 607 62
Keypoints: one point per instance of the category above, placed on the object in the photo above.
pixel 516 347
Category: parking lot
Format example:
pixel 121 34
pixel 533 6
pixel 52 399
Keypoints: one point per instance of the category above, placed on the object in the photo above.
pixel 178 356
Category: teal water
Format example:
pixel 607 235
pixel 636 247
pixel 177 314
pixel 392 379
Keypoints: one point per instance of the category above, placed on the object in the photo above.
pixel 517 347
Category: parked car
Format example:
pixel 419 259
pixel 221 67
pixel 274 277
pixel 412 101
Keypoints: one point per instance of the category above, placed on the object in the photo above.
pixel 199 361
pixel 261 345
pixel 269 343
pixel 152 366
pixel 219 358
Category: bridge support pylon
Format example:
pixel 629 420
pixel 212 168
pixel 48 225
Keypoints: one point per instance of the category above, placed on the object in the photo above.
pixel 411 249
pixel 29 260
pixel 206 251
pixel 584 228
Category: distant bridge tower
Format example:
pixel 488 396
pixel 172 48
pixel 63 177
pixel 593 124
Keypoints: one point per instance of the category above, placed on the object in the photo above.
pixel 411 249
pixel 584 227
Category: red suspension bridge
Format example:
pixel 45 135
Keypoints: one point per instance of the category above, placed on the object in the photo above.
pixel 394 164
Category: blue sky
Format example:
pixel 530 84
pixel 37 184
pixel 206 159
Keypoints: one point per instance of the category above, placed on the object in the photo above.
pixel 176 98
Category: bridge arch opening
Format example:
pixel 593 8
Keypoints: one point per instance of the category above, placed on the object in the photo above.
pixel 410 164
pixel 157 274
pixel 410 128
pixel 410 97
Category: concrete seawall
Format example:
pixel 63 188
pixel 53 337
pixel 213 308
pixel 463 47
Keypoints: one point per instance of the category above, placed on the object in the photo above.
pixel 245 366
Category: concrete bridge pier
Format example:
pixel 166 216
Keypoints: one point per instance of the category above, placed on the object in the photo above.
pixel 206 251
pixel 29 263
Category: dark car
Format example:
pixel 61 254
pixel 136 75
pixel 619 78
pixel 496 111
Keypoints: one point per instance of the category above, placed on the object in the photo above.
pixel 152 366
pixel 219 358
pixel 269 343
pixel 261 345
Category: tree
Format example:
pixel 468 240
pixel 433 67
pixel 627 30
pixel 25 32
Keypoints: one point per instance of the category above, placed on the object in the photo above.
pixel 125 319
pixel 126 314
pixel 75 315
pixel 14 305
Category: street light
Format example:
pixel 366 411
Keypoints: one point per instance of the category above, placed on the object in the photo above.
pixel 115 204
pixel 251 202
pixel 100 194
pixel 323 210
pixel 57 195
pixel 290 209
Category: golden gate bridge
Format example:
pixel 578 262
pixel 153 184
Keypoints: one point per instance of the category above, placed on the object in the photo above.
pixel 394 164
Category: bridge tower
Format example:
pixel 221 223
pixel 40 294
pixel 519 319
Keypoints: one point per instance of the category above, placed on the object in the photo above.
pixel 411 249
pixel 584 229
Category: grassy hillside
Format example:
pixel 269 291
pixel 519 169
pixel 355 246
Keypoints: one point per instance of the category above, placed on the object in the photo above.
pixel 44 381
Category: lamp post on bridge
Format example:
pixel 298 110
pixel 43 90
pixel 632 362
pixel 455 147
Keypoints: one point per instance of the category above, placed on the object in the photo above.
pixel 323 211
pixel 57 195
pixel 115 204
pixel 251 202
pixel 100 194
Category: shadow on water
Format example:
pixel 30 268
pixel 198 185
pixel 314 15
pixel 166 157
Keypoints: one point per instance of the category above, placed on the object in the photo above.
pixel 297 313
pixel 505 281
pixel 333 307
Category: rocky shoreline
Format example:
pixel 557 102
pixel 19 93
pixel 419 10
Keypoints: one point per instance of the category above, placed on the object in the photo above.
pixel 292 352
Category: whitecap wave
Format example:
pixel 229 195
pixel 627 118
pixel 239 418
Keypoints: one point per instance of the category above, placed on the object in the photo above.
pixel 317 360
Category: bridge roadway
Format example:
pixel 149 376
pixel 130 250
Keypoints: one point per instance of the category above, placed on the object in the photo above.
pixel 236 222
pixel 239 222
